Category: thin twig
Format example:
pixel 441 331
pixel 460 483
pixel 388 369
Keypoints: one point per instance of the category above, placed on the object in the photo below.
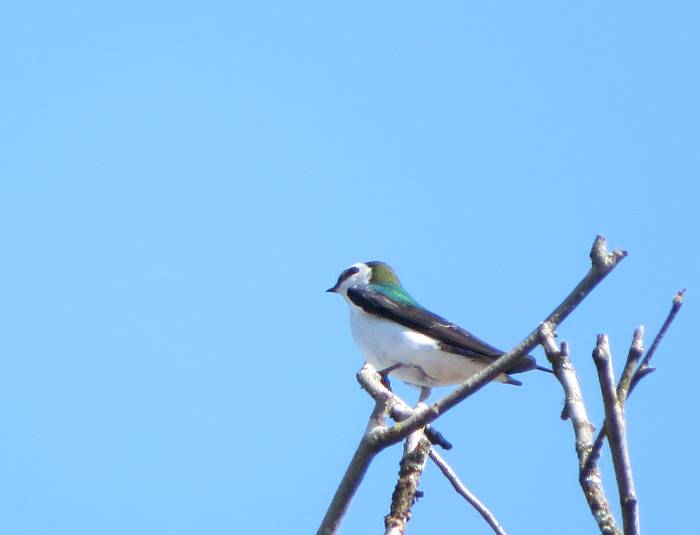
pixel 617 436
pixel 644 366
pixel 642 371
pixel 436 438
pixel 575 410
pixel 468 495
pixel 635 353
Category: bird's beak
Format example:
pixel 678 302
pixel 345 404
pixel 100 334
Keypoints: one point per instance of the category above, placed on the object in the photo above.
pixel 332 289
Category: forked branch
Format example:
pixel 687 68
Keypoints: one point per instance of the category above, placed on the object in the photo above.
pixel 633 373
pixel 614 426
pixel 617 436
pixel 575 410
pixel 380 436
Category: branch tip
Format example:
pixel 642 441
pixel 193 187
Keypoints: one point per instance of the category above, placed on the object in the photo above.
pixel 601 259
pixel 601 353
pixel 638 339
pixel 564 348
pixel 678 299
pixel 437 438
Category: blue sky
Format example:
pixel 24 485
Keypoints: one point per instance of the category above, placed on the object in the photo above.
pixel 181 182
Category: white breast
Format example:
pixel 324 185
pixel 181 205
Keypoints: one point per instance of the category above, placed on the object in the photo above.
pixel 385 343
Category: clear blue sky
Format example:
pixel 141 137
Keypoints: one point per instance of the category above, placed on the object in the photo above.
pixel 180 183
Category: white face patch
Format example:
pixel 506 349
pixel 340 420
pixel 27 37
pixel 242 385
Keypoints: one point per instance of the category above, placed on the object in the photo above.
pixel 361 277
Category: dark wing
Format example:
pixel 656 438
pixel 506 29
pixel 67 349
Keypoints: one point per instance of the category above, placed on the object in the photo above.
pixel 451 337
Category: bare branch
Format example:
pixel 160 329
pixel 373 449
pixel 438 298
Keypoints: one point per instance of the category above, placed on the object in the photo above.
pixel 644 366
pixel 379 437
pixel 617 436
pixel 602 263
pixel 468 495
pixel 406 492
pixel 635 353
pixel 400 410
pixel 371 382
pixel 366 451
pixel 592 482
pixel 627 384
pixel 436 438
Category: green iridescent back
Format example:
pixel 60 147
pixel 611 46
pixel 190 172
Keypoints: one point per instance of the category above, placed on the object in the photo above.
pixel 395 292
pixel 385 281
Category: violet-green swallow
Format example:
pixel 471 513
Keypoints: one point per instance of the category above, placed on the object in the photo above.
pixel 399 336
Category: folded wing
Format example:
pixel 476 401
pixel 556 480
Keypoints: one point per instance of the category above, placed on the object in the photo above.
pixel 452 338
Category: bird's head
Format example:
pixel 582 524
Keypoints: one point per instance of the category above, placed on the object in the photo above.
pixel 362 274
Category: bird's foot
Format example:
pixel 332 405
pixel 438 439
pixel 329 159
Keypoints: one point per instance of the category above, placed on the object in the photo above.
pixel 384 374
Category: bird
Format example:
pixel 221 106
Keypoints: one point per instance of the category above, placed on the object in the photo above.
pixel 400 337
